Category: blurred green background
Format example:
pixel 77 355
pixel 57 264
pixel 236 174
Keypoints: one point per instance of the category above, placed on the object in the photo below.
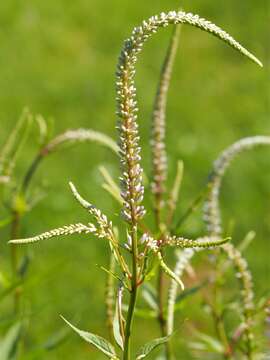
pixel 59 58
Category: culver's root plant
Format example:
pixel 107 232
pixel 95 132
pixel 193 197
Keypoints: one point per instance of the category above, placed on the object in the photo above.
pixel 139 254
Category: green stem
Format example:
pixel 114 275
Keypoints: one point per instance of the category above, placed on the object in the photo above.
pixel 193 207
pixel 133 294
pixel 161 315
pixel 31 171
pixel 218 318
pixel 14 258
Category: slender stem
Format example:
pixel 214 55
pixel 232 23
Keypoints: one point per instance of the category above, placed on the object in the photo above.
pixel 218 321
pixel 193 207
pixel 109 297
pixel 221 333
pixel 31 171
pixel 157 210
pixel 161 313
pixel 161 316
pixel 15 227
pixel 133 293
pixel 160 288
pixel 14 258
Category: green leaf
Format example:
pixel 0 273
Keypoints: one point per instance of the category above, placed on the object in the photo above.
pixel 116 327
pixel 186 293
pixel 99 342
pixel 150 346
pixel 9 343
pixel 212 344
pixel 6 221
pixel 8 290
pixel 149 298
pixel 246 241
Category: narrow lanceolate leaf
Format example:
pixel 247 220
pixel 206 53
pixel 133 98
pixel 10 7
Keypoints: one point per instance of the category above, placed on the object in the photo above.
pixel 9 149
pixel 99 342
pixel 110 184
pixel 15 144
pixel 204 242
pixel 65 230
pixel 159 156
pixel 149 298
pixel 212 344
pixel 43 129
pixel 9 343
pixel 118 321
pixel 81 135
pixel 146 349
pixel 169 272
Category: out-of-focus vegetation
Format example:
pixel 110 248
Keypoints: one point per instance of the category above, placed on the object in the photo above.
pixel 59 58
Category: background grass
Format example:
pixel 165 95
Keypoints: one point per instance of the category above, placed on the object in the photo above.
pixel 59 58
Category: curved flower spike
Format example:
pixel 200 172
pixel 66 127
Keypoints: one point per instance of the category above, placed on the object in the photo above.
pixel 127 108
pixel 65 230
pixel 212 218
pixel 203 242
pixel 81 135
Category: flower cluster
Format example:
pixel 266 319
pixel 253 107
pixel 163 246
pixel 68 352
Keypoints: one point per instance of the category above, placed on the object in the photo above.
pixel 131 180
pixel 80 135
pixel 212 218
pixel 203 242
pixel 211 209
pixel 65 230
pixel 105 226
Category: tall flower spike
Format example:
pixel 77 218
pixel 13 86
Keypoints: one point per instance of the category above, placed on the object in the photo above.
pixel 65 230
pixel 212 218
pixel 131 181
pixel 159 156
